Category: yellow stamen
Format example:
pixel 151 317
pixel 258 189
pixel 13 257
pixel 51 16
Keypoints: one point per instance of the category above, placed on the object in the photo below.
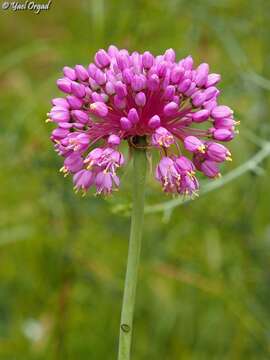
pixel 63 169
pixel 201 149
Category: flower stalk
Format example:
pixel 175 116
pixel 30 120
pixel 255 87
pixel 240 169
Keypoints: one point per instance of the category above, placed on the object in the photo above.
pixel 139 176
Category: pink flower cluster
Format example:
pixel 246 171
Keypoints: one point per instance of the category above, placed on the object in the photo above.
pixel 123 96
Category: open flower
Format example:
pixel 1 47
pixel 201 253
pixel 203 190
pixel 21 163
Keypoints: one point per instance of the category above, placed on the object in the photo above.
pixel 122 96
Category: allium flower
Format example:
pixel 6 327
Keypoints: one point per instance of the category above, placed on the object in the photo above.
pixel 120 97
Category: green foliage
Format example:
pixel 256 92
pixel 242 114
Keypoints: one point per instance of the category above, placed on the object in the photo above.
pixel 204 280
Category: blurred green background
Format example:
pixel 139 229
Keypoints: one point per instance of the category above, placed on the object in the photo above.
pixel 204 284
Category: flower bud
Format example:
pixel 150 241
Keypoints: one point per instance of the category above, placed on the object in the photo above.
pixel 211 93
pixel 114 140
pixel 169 92
pixel 212 79
pixel 169 55
pixel 223 135
pixel 100 77
pixel 210 169
pixel 120 89
pixel 189 75
pixel 170 109
pixel 99 108
pixel 154 122
pixel 80 116
pixel 184 164
pixel 102 59
pixel 193 144
pixel 95 96
pixel 200 116
pixel 122 60
pixel 138 82
pixel 120 103
pixel 133 116
pixel 65 125
pixel 113 51
pixel 74 102
pixel 187 63
pixel 93 85
pixel 64 85
pixel 198 98
pixel 162 68
pixel 125 123
pixel 201 74
pixel 177 74
pixel 136 60
pixel 127 76
pixel 225 123
pixel 176 99
pixel 78 89
pixel 58 134
pixel 221 111
pixel 60 102
pixel 69 73
pixel 184 85
pixel 109 87
pixel 81 72
pixel 147 60
pixel 140 99
pixel 59 114
pixel 92 70
pixel 191 90
pixel 153 82
pixel 210 104
pixel 217 152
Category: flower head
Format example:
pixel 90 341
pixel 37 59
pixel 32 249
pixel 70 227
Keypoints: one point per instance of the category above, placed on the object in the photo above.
pixel 121 96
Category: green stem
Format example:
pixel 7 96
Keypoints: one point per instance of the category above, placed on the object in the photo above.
pixel 139 175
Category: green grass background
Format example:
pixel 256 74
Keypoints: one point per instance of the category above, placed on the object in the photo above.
pixel 204 283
